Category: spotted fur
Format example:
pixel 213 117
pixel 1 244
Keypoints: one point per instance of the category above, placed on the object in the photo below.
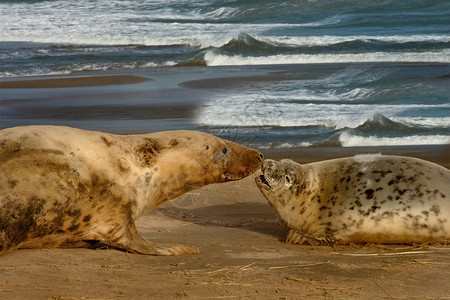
pixel 65 187
pixel 361 199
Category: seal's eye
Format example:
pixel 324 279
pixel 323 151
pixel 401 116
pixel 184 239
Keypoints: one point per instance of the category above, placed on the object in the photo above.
pixel 224 150
pixel 288 180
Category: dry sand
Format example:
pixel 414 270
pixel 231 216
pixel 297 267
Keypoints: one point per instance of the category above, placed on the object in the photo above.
pixel 242 256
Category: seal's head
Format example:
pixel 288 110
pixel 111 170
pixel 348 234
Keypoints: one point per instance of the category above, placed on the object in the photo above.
pixel 230 161
pixel 279 179
pixel 181 161
pixel 281 183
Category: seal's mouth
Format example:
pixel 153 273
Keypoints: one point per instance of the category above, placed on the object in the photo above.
pixel 263 181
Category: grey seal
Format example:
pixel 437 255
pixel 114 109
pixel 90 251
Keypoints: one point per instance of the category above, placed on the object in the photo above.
pixel 361 199
pixel 63 187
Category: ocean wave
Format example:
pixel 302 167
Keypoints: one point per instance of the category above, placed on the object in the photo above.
pixel 329 40
pixel 382 131
pixel 212 58
pixel 266 50
pixel 346 139
pixel 382 123
pixel 202 35
pixel 332 96
pixel 294 103
pixel 349 140
pixel 196 25
pixel 37 71
pixel 379 125
pixel 329 116
pixel 205 35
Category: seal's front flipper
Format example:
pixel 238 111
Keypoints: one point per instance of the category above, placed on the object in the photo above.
pixel 297 237
pixel 133 242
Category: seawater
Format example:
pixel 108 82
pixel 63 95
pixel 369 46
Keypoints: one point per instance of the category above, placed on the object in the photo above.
pixel 343 73
pixel 337 105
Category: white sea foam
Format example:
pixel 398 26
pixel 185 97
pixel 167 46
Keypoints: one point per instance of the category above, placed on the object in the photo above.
pixel 87 67
pixel 100 25
pixel 214 59
pixel 284 145
pixel 327 40
pixel 349 140
pixel 271 109
pixel 118 23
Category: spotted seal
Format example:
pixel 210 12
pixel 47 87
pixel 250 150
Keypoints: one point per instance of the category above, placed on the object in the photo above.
pixel 360 199
pixel 63 187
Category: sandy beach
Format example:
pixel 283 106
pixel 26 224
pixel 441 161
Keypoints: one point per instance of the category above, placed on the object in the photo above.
pixel 242 254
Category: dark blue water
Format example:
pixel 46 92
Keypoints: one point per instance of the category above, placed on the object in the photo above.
pixel 343 73
pixel 41 37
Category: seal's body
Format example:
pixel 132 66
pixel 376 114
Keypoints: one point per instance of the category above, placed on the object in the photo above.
pixel 60 186
pixel 362 199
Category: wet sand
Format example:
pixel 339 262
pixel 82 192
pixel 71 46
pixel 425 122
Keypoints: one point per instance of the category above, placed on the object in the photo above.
pixel 84 81
pixel 242 255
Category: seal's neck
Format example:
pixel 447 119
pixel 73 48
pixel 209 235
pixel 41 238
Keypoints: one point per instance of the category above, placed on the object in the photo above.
pixel 163 187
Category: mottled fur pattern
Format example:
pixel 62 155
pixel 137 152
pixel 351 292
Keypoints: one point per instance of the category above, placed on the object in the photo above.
pixel 65 187
pixel 361 199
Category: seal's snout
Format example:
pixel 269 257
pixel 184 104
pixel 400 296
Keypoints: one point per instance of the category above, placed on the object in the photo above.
pixel 252 158
pixel 256 161
pixel 261 180
pixel 241 162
